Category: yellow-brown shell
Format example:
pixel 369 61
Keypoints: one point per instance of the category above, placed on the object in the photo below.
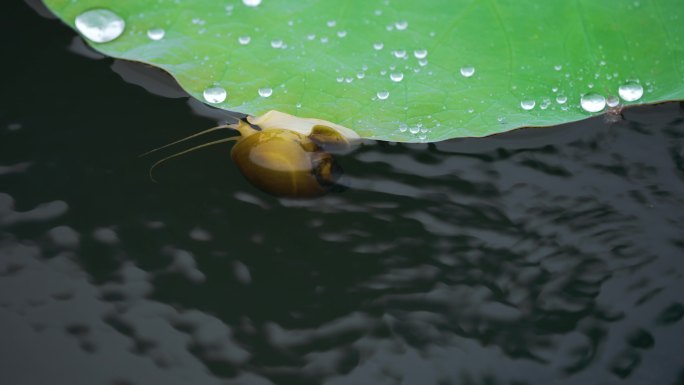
pixel 285 163
pixel 284 155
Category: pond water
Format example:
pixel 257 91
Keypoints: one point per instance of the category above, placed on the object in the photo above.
pixel 542 256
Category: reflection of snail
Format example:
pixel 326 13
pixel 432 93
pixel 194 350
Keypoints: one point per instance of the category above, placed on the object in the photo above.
pixel 282 154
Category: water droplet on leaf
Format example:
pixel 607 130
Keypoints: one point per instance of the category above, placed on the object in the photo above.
pixel 156 33
pixel 631 91
pixel 593 102
pixel 215 94
pixel 467 71
pixel 265 92
pixel 420 53
pixel 100 25
pixel 527 104
pixel 396 76
pixel 612 101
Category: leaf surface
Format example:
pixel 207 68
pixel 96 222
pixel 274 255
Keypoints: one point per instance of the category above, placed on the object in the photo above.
pixel 337 60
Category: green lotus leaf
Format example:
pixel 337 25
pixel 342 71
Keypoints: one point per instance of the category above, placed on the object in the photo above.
pixel 406 70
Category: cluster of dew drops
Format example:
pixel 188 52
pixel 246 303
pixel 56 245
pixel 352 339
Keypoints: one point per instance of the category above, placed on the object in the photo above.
pixel 102 25
pixel 592 102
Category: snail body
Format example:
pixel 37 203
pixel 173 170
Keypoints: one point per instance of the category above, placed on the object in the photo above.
pixel 284 155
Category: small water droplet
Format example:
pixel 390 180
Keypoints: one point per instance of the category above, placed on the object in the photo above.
pixel 244 40
pixel 341 33
pixel 277 43
pixel 467 71
pixel 561 99
pixel 251 3
pixel 378 46
pixel 399 54
pixel 554 89
pixel 311 36
pixel 324 40
pixel 593 102
pixel 360 75
pixel 527 104
pixel 265 92
pixel 631 91
pixel 420 53
pixel 156 33
pixel 382 95
pixel 612 101
pixel 340 79
pixel 100 25
pixel 331 23
pixel 422 62
pixel 558 67
pixel 414 130
pixel 403 127
pixel 401 25
pixel 215 94
pixel 545 104
pixel 396 76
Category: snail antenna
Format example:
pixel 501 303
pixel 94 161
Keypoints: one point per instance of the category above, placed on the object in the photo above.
pixel 232 138
pixel 221 127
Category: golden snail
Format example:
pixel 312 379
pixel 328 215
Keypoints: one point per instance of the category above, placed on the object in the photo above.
pixel 282 154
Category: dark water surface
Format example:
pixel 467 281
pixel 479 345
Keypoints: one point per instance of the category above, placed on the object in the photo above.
pixel 543 256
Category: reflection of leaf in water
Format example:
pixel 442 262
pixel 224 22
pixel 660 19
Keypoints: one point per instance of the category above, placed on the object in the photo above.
pixel 403 70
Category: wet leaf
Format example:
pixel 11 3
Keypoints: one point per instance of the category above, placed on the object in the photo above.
pixel 406 70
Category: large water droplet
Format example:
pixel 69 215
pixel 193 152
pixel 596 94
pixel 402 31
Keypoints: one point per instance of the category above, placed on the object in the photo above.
pixel 215 94
pixel 631 91
pixel 396 76
pixel 382 95
pixel 467 71
pixel 244 40
pixel 593 102
pixel 277 43
pixel 265 92
pixel 156 33
pixel 251 3
pixel 527 104
pixel 100 25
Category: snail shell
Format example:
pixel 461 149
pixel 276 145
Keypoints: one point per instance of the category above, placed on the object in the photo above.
pixel 284 159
